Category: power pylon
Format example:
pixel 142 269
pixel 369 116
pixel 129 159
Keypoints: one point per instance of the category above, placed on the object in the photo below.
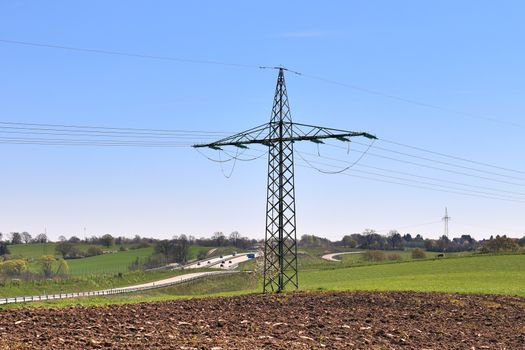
pixel 280 249
pixel 446 219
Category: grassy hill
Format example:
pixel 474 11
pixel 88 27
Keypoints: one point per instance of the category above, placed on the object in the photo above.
pixel 482 274
pixel 491 274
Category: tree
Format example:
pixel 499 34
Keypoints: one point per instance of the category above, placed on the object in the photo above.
pixel 68 250
pixel 219 239
pixel 175 250
pixel 26 237
pixel 395 240
pixel 46 265
pixel 349 241
pixel 499 244
pixel 74 239
pixel 62 238
pixel 40 238
pixel 234 237
pixel 3 249
pixel 107 240
pixel 63 267
pixel 16 238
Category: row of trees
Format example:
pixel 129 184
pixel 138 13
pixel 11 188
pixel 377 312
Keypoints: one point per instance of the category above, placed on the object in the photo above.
pixel 370 239
pixel 22 237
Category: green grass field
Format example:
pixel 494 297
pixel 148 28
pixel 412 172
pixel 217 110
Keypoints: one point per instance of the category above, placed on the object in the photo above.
pixel 107 263
pixel 492 274
pixel 81 283
pixel 110 263
pixel 480 274
pixel 36 250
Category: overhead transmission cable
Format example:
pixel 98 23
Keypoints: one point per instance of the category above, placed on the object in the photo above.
pixel 253 66
pixel 420 187
pixel 468 187
pixel 411 101
pixel 433 167
pixel 451 156
pixel 127 54
pixel 471 192
pixel 414 175
pixel 442 162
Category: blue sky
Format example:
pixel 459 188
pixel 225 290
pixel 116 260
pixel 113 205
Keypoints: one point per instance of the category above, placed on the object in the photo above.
pixel 464 57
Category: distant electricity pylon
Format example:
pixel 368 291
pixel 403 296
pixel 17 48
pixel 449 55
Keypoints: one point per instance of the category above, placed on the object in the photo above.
pixel 279 135
pixel 446 219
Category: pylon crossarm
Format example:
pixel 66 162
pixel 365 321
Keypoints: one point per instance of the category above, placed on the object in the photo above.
pixel 300 132
pixel 259 134
pixel 313 132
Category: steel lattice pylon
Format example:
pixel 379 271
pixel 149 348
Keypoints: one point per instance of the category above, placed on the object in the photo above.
pixel 280 247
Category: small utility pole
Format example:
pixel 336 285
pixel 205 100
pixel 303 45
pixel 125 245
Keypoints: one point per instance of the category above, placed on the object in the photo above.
pixel 279 135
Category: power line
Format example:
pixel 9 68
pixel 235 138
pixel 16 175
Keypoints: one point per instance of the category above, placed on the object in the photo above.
pixel 411 226
pixel 452 157
pixel 442 162
pixel 469 192
pixel 417 176
pixel 433 186
pixel 410 101
pixel 434 167
pixel 114 128
pixel 154 137
pixel 242 65
pixel 127 54
pixel 344 169
pixel 421 187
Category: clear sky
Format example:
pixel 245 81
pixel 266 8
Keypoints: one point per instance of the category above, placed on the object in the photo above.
pixel 465 57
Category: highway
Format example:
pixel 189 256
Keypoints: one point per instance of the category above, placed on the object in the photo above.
pixel 216 262
pixel 230 263
pixel 139 287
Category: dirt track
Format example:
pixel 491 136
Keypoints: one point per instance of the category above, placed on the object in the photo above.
pixel 363 320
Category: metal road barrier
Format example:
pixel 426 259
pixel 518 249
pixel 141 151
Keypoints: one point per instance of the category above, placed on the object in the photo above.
pixel 112 291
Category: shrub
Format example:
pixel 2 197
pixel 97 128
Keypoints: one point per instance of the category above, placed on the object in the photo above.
pixel 63 267
pixel 374 255
pixel 46 265
pixel 418 254
pixel 394 257
pixel 94 251
pixel 13 267
pixel 202 255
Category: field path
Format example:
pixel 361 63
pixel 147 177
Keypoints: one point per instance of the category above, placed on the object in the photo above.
pixel 331 257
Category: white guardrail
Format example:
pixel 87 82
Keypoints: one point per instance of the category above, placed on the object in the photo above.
pixel 112 291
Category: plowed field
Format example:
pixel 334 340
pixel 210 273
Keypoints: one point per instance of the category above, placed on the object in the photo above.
pixel 334 320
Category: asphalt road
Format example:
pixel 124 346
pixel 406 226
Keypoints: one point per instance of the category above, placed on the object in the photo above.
pixel 331 257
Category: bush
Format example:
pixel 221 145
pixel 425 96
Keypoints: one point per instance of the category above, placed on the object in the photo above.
pixel 418 254
pixel 202 255
pixel 13 267
pixel 394 257
pixel 94 251
pixel 46 265
pixel 63 268
pixel 373 255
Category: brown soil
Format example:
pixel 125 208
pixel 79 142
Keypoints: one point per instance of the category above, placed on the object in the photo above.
pixel 361 320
